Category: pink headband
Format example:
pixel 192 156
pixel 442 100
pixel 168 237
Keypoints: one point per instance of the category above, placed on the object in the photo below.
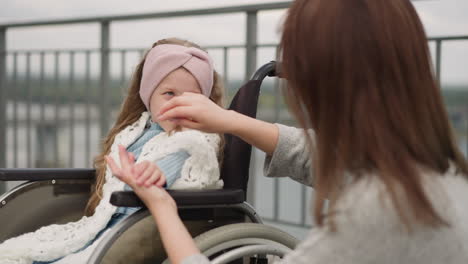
pixel 164 59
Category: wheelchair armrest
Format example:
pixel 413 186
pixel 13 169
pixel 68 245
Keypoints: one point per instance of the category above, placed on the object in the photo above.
pixel 45 174
pixel 202 197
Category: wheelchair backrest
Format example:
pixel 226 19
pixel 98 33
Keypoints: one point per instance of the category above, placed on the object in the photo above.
pixel 236 161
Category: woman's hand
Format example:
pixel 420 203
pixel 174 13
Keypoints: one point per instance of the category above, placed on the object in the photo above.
pixel 196 111
pixel 138 176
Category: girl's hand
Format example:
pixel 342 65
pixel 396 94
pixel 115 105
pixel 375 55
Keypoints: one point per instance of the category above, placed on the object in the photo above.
pixel 146 173
pixel 198 112
pixel 153 196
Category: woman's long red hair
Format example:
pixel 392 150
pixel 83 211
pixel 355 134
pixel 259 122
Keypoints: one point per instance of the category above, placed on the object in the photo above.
pixel 359 73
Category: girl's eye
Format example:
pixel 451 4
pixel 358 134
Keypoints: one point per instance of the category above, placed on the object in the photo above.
pixel 169 93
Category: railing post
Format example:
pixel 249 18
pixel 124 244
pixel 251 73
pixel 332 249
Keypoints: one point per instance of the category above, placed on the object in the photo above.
pixel 251 44
pixel 250 65
pixel 437 61
pixel 104 94
pixel 3 101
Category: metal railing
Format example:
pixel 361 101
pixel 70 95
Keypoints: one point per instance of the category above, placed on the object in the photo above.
pixel 65 98
pixel 104 22
pixel 76 111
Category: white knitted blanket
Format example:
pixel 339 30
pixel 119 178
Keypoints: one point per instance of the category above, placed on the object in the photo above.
pixel 200 171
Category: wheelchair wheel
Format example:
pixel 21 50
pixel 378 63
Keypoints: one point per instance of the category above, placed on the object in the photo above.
pixel 236 241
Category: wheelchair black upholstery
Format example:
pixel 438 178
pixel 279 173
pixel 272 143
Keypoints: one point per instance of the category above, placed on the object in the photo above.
pixel 70 188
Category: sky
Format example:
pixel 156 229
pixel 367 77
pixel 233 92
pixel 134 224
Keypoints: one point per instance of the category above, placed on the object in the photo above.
pixel 440 18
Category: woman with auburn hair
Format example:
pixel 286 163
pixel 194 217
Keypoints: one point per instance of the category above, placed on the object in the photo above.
pixel 375 140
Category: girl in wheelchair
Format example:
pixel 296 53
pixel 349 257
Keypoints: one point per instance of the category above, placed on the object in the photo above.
pixel 158 153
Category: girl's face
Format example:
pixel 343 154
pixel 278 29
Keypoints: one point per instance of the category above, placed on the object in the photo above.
pixel 174 84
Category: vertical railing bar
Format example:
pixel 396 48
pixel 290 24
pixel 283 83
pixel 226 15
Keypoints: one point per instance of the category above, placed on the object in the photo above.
pixel 88 99
pixel 276 119
pixel 28 109
pixel 123 53
pixel 466 145
pixel 304 208
pixel 3 102
pixel 251 44
pixel 3 107
pixel 225 68
pixel 72 110
pixel 251 61
pixel 41 151
pixel 104 87
pixel 277 94
pixel 56 105
pixel 438 60
pixel 276 198
pixel 15 110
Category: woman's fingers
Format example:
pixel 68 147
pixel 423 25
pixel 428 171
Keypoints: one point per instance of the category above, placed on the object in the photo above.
pixel 198 112
pixel 178 113
pixel 187 123
pixel 183 100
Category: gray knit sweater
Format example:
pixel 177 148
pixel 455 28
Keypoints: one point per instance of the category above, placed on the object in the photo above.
pixel 368 229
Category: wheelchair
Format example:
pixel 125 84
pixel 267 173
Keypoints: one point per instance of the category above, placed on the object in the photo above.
pixel 226 228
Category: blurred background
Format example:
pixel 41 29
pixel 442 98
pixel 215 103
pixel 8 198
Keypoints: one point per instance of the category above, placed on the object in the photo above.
pixel 65 67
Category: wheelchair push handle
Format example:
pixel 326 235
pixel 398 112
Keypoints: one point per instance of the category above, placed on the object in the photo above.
pixel 270 69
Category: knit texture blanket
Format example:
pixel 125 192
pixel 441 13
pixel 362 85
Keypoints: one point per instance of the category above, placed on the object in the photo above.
pixel 200 171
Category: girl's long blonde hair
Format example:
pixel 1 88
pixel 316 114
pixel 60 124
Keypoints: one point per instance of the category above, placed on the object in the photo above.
pixel 130 112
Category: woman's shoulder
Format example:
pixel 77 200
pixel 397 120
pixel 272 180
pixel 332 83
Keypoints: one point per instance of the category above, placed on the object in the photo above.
pixel 369 196
pixel 368 226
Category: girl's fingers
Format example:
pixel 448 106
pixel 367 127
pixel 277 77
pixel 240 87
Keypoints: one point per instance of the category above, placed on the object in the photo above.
pixel 161 181
pixel 123 155
pixel 153 179
pixel 144 176
pixel 140 168
pixel 131 158
pixel 113 166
